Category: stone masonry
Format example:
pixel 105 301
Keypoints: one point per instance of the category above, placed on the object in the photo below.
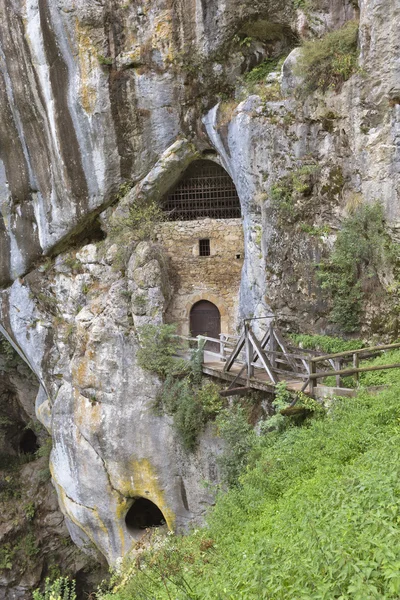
pixel 215 278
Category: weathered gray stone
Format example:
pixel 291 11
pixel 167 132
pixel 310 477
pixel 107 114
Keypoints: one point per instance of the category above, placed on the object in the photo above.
pixel 86 107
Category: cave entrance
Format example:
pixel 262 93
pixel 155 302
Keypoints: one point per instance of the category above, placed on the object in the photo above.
pixel 204 190
pixel 143 514
pixel 28 443
pixel 205 319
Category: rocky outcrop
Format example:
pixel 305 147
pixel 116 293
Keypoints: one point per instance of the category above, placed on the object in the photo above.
pixel 97 94
pixel 109 446
pixel 34 540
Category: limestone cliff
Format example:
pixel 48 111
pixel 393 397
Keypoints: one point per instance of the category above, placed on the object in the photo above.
pixel 97 94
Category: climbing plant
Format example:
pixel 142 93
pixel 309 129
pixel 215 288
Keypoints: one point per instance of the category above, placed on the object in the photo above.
pixel 190 399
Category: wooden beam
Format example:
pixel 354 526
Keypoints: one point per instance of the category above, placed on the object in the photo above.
pixel 239 391
pixel 238 376
pixel 249 353
pixel 272 347
pixel 321 374
pixel 351 352
pixel 282 344
pixel 235 353
pixel 263 343
pixel 267 365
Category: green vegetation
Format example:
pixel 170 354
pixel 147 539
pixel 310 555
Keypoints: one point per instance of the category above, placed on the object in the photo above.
pixel 362 249
pixel 328 62
pixel 105 60
pixel 138 225
pixel 239 438
pixel 262 70
pixel 191 400
pixel 60 589
pixel 391 376
pixel 314 515
pixel 325 343
pixel 291 196
pixel 7 350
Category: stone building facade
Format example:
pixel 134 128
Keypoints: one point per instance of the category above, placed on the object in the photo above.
pixel 214 277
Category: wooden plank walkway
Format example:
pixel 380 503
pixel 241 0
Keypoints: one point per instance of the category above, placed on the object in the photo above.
pixel 246 363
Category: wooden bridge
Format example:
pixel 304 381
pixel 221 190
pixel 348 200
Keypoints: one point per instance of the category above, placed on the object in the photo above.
pixel 247 363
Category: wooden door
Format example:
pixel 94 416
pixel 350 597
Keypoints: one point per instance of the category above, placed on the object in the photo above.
pixel 206 320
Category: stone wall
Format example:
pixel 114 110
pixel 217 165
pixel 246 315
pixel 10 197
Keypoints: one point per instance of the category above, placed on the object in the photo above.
pixel 215 278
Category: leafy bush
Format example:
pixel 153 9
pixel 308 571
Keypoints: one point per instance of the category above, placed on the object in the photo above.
pixel 328 62
pixel 239 437
pixel 325 343
pixel 363 247
pixel 60 589
pixel 390 376
pixel 143 215
pixel 189 399
pixel 158 346
pixel 7 350
pixel 316 517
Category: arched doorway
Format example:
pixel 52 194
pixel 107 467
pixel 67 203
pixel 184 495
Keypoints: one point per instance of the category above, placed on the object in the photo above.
pixel 205 319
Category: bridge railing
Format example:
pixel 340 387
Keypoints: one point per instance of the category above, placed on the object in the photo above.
pixel 225 344
pixel 283 361
pixel 339 360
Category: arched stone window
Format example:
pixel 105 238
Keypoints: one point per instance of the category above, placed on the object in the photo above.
pixel 205 190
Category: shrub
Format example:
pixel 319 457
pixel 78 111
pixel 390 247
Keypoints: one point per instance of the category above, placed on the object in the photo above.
pixel 185 396
pixel 158 346
pixel 328 62
pixel 7 350
pixel 325 343
pixel 140 223
pixel 363 247
pixel 291 195
pixel 262 70
pixel 239 438
pixel 60 589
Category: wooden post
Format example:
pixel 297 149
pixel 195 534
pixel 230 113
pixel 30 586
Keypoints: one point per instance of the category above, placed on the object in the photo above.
pixel 312 367
pixel 338 364
pixel 222 340
pixel 249 353
pixel 356 364
pixel 272 346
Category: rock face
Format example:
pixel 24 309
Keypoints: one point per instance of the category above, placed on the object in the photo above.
pixel 109 446
pixel 95 94
pixel 34 539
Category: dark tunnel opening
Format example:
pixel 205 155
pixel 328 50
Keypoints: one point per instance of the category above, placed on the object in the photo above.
pixel 143 514
pixel 28 443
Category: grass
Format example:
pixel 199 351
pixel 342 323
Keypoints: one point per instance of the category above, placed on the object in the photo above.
pixel 315 516
pixel 260 73
pixel 326 63
pixel 325 343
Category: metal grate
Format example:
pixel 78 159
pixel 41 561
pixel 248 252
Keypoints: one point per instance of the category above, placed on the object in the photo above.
pixel 204 248
pixel 206 190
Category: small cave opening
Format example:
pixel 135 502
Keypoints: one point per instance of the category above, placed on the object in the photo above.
pixel 28 443
pixel 143 514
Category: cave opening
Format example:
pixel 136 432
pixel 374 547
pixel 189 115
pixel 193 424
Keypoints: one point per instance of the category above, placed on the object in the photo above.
pixel 28 443
pixel 143 514
pixel 205 190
